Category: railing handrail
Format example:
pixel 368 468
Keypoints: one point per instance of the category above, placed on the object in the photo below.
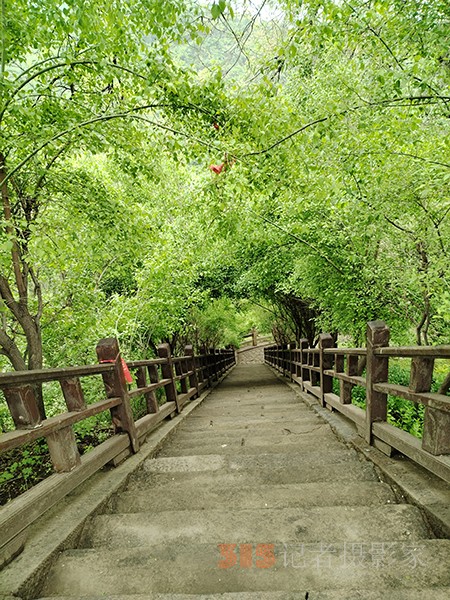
pixel 315 368
pixel 182 378
pixel 52 374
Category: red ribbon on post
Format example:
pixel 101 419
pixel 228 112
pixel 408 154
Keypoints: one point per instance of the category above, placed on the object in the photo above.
pixel 126 370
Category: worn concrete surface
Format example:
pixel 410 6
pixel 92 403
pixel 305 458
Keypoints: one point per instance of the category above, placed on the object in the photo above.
pixel 332 523
pixel 194 497
pixel 195 568
pixel 398 594
pixel 302 514
pixel 411 482
pixel 253 467
pixel 61 526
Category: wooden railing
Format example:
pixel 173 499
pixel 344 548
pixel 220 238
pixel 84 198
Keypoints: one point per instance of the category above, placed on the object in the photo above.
pixel 179 379
pixel 314 369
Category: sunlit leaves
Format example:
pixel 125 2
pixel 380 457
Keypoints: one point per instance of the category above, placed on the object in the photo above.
pixel 218 8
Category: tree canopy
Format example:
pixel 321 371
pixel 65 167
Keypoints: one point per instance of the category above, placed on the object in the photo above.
pixel 175 170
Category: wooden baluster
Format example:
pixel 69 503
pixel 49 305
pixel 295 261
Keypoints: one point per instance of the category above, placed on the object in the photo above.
pixel 325 363
pixel 150 397
pixel 180 370
pixel 213 359
pixel 63 450
pixel 347 387
pixel 304 360
pixel 205 364
pixel 198 360
pixel 218 354
pixel 62 444
pixel 436 431
pixel 436 424
pixel 282 357
pixel 421 374
pixel 22 406
pixel 286 354
pixel 152 401
pixel 377 372
pixel 116 387
pixel 193 379
pixel 222 363
pixel 315 362
pixel 339 360
pixel 167 373
pixel 292 347
pixel 73 394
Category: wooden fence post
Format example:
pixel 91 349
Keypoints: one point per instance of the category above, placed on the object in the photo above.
pixel 193 379
pixel 116 387
pixel 325 362
pixel 167 373
pixel 377 372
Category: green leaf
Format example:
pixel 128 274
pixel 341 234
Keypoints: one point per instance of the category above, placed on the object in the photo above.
pixel 217 9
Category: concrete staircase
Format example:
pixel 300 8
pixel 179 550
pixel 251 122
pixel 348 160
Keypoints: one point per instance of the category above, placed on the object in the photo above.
pixel 254 498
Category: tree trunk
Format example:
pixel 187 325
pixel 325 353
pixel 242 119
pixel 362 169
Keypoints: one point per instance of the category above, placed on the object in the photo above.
pixel 16 302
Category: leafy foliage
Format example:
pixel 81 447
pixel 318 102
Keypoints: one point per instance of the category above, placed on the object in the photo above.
pixel 331 206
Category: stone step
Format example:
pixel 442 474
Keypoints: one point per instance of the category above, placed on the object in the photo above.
pixel 396 522
pixel 276 396
pixel 265 462
pixel 261 419
pixel 188 431
pixel 435 593
pixel 238 398
pixel 205 474
pixel 189 496
pixel 200 569
pixel 196 423
pixel 256 413
pixel 235 408
pixel 213 427
pixel 299 445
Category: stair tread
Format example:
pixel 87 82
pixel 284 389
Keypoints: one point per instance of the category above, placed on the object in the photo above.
pixel 174 496
pixel 194 568
pixel 438 593
pixel 344 472
pixel 399 522
pixel 285 441
pixel 239 462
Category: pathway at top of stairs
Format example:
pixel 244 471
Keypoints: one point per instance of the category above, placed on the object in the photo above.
pixel 254 498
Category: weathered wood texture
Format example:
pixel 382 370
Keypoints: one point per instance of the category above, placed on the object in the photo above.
pixel 116 387
pixel 192 374
pixel 315 368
